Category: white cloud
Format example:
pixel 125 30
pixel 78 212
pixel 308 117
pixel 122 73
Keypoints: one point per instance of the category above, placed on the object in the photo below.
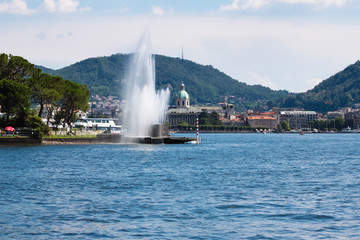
pixel 159 11
pixel 230 7
pixel 65 6
pixel 325 3
pixel 256 4
pixel 283 54
pixel 20 7
pixel 244 4
pixel 50 5
pixel 16 7
pixel 263 80
pixel 124 10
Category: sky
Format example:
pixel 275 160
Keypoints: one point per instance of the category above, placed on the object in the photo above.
pixel 281 44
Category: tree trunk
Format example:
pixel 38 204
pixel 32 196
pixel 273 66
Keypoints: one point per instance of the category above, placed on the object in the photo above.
pixel 41 109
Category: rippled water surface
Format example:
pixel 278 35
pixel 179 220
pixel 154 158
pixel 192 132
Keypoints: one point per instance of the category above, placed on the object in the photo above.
pixel 232 186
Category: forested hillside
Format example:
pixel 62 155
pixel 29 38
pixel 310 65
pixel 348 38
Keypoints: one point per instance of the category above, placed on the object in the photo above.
pixel 340 90
pixel 205 84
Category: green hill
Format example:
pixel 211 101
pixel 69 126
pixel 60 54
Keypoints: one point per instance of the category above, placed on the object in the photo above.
pixel 205 84
pixel 340 90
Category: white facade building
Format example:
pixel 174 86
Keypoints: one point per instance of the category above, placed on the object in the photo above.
pixel 298 119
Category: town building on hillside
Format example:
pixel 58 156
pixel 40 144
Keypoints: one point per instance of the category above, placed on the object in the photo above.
pixel 297 119
pixel 334 115
pixel 229 111
pixel 237 120
pixel 353 119
pixel 105 106
pixel 262 121
pixel 184 112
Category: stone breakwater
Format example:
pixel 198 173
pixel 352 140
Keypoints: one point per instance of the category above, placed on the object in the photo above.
pixel 99 139
pixel 19 141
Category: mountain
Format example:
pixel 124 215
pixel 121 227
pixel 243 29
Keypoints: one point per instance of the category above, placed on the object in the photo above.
pixel 339 90
pixel 205 84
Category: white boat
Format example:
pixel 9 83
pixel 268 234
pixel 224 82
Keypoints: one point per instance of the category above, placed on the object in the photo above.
pixel 97 124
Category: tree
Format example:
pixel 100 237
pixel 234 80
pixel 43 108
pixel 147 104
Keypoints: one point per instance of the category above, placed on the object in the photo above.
pixel 14 97
pixel 74 97
pixel 259 108
pixel 204 118
pixel 215 118
pixel 285 126
pixel 40 128
pixel 45 91
pixel 15 68
pixel 270 104
pixel 339 123
pixel 59 116
pixel 183 124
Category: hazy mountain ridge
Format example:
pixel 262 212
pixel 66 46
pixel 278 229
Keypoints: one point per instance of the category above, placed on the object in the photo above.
pixel 340 90
pixel 205 84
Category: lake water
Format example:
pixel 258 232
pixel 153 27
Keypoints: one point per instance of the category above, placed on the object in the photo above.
pixel 232 186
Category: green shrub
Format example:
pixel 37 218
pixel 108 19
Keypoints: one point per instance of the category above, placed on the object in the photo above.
pixel 40 128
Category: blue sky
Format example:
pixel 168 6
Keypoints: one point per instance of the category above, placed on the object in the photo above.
pixel 282 44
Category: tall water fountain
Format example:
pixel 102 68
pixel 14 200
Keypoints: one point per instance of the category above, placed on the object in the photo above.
pixel 145 108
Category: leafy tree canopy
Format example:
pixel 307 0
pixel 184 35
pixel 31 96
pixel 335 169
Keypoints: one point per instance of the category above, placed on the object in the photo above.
pixel 14 97
pixel 75 97
pixel 15 68
pixel 20 80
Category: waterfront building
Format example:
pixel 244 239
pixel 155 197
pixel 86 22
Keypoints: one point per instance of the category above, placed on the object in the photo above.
pixel 297 119
pixel 182 112
pixel 353 119
pixel 262 121
pixel 188 115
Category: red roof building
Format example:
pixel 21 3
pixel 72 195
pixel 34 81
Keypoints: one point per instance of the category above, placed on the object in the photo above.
pixel 262 121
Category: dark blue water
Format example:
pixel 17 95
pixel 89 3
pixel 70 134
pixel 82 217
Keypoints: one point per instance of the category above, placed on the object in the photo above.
pixel 232 186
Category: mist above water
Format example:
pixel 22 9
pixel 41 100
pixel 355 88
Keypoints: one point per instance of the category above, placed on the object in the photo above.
pixel 145 106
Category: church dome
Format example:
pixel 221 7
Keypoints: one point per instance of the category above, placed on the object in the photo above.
pixel 182 94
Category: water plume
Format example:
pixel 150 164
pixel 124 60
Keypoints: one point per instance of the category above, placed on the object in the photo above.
pixel 145 107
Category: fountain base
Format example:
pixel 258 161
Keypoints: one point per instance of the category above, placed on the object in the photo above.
pixel 159 134
pixel 158 140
